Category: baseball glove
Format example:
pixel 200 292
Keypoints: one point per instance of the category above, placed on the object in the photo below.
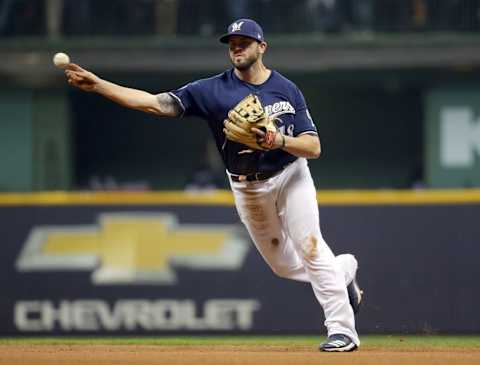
pixel 247 114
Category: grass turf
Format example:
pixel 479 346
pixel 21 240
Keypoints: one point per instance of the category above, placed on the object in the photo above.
pixel 384 341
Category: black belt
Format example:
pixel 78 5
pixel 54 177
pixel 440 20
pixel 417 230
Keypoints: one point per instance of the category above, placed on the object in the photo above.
pixel 258 176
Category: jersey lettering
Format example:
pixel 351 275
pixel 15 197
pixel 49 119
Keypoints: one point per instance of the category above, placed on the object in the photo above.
pixel 279 108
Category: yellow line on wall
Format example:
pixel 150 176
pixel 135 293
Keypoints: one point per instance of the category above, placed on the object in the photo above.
pixel 399 197
pixel 225 198
pixel 220 197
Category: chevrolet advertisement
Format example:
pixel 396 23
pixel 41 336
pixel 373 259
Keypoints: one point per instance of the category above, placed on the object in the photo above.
pixel 147 267
pixel 112 269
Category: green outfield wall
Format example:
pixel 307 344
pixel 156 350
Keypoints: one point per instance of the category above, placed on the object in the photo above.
pixel 34 140
pixel 16 141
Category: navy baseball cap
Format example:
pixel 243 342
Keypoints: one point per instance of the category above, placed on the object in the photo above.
pixel 244 27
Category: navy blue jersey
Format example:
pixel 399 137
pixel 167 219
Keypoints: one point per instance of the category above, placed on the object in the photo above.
pixel 212 98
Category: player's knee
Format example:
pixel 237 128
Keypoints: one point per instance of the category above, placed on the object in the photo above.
pixel 347 260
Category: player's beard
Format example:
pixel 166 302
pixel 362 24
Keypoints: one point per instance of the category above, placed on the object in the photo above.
pixel 246 63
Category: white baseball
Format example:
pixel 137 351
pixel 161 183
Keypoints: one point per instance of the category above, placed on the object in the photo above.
pixel 61 60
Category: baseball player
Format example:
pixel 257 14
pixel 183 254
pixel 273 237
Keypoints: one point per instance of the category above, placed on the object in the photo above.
pixel 267 167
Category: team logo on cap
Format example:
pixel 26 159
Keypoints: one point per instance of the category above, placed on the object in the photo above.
pixel 237 26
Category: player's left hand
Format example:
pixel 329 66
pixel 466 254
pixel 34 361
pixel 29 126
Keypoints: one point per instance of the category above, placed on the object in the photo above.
pixel 249 124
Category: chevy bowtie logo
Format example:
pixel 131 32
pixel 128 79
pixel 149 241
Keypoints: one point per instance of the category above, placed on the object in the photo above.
pixel 133 248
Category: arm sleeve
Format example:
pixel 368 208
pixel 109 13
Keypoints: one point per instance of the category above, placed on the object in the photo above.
pixel 191 100
pixel 303 120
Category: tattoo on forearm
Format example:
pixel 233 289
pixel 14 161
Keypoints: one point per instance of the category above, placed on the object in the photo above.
pixel 168 105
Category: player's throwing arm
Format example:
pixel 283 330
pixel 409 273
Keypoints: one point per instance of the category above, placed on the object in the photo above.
pixel 162 104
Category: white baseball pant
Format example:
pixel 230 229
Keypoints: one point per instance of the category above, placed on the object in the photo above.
pixel 281 215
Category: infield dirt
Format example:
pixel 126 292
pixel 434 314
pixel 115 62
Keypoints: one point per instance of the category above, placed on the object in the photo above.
pixel 222 354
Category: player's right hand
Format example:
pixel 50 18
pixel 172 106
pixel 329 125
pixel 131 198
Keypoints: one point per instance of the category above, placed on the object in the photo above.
pixel 81 78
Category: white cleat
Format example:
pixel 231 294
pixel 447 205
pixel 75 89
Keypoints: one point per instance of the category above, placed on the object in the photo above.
pixel 338 343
